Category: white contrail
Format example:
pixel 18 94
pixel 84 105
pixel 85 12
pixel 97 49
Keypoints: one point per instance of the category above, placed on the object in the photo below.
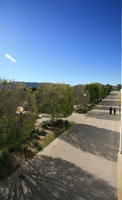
pixel 10 57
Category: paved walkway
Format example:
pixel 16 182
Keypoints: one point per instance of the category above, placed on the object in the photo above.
pixel 79 165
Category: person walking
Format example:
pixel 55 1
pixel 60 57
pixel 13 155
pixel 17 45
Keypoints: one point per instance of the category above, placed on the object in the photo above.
pixel 110 110
pixel 114 111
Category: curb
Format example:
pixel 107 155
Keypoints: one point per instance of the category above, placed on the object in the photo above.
pixel 119 169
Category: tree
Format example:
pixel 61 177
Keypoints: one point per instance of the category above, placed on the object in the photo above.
pixel 13 129
pixel 119 87
pixel 80 95
pixel 98 91
pixel 55 99
pixel 93 90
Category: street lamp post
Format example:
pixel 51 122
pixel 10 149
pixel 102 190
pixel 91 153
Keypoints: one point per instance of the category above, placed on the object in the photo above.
pixel 20 111
pixel 86 98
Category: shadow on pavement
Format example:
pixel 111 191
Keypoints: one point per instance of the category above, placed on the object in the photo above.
pixel 98 141
pixel 109 102
pixel 103 115
pixel 48 178
pixel 101 110
pixel 113 95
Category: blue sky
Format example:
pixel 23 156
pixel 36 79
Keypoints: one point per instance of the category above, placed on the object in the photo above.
pixel 66 41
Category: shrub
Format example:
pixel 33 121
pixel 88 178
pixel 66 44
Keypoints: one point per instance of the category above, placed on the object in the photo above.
pixel 67 123
pixel 14 127
pixel 58 123
pixel 12 131
pixel 46 124
pixel 82 109
pixel 6 165
pixel 98 91
pixel 55 99
pixel 80 94
pixel 39 132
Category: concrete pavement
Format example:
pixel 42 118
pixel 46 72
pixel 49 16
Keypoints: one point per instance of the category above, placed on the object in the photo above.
pixel 80 165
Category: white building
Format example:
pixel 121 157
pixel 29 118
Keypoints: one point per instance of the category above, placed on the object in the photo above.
pixel 121 127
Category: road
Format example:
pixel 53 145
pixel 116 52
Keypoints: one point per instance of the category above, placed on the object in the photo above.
pixel 79 165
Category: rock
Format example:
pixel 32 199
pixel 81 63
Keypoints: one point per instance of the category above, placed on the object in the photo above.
pixel 41 137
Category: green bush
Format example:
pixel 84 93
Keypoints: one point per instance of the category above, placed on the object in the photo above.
pixel 12 131
pixel 38 132
pixel 6 166
pixel 55 99
pixel 57 123
pixel 46 124
pixel 89 107
pixel 98 91
pixel 67 123
pixel 14 127
pixel 37 145
pixel 83 109
pixel 80 94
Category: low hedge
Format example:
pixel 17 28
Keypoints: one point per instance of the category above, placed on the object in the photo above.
pixel 57 123
pixel 83 109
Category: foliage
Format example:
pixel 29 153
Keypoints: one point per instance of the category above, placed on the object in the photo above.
pixel 55 99
pixel 84 108
pixel 56 123
pixel 6 165
pixel 62 126
pixel 12 129
pixel 119 87
pixel 98 91
pixel 80 94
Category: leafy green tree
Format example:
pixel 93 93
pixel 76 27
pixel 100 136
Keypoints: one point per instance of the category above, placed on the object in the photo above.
pixel 98 91
pixel 93 90
pixel 119 87
pixel 80 94
pixel 12 129
pixel 55 99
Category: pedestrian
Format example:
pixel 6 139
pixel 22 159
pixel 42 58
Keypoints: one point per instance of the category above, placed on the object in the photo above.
pixel 114 111
pixel 110 110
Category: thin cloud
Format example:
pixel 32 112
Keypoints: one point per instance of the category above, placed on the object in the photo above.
pixel 10 57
